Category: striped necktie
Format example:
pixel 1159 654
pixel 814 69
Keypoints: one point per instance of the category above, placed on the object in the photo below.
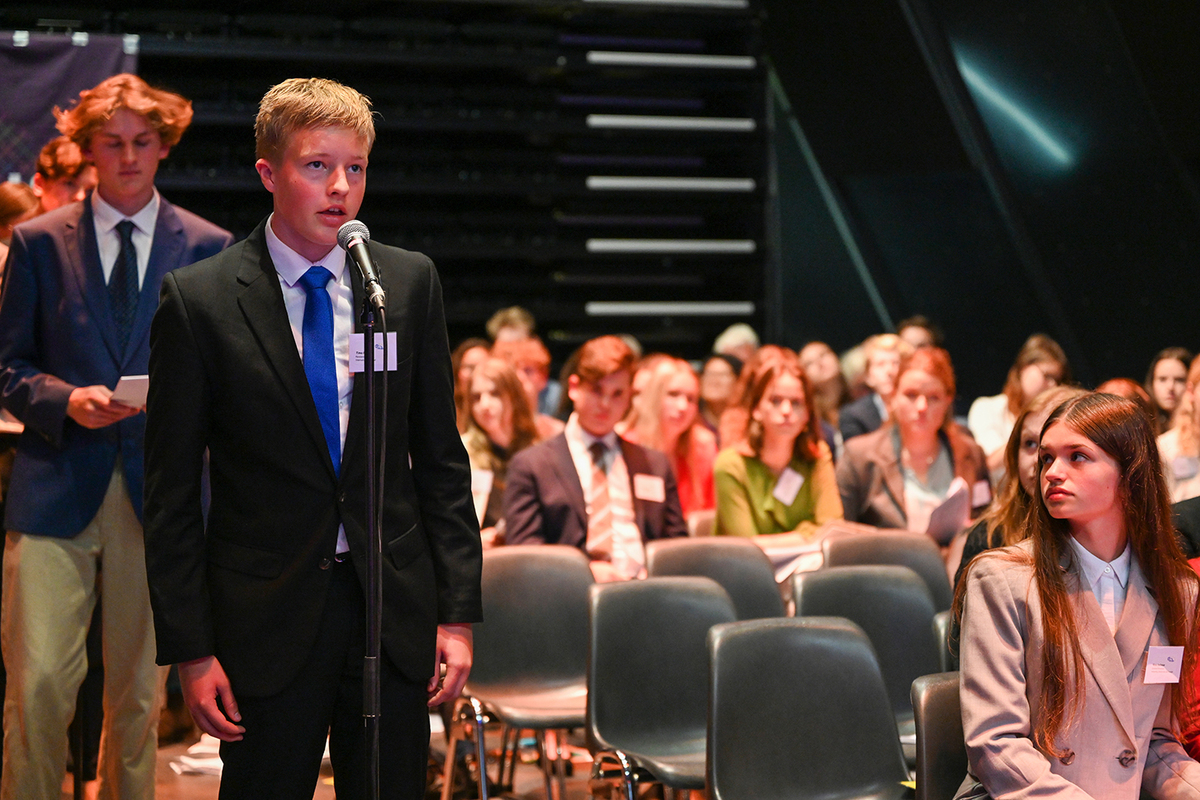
pixel 599 507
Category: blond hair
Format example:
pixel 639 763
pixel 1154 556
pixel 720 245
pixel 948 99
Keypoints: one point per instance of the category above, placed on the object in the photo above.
pixel 302 103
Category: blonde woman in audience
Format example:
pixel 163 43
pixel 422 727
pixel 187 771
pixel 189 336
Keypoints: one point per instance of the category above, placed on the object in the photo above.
pixel 1040 365
pixel 896 476
pixel 666 418
pixel 1003 523
pixel 463 360
pixel 499 425
pixel 1165 381
pixel 1179 448
pixel 530 359
pixel 778 480
pixel 868 413
pixel 1079 644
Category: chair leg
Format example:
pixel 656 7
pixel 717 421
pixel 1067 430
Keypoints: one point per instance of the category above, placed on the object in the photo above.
pixel 452 749
pixel 514 754
pixel 627 776
pixel 560 766
pixel 480 747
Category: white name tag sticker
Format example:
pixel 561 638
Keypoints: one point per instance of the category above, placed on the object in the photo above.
pixel 1164 664
pixel 981 494
pixel 358 364
pixel 788 486
pixel 650 488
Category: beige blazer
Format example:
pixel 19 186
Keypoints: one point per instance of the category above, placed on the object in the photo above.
pixel 1121 741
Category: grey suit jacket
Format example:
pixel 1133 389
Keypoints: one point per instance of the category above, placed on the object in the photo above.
pixel 1121 742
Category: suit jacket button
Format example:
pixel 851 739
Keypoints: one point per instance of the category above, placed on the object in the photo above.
pixel 326 563
pixel 1067 757
pixel 1127 758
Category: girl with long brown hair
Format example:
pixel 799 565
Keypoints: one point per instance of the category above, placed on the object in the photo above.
pixel 778 478
pixel 1179 448
pixel 1067 637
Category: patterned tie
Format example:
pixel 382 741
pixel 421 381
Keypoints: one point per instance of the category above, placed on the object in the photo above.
pixel 319 364
pixel 123 283
pixel 600 512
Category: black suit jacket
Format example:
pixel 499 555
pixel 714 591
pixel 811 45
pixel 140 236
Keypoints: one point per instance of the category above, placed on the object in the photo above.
pixel 859 417
pixel 225 375
pixel 544 503
pixel 57 333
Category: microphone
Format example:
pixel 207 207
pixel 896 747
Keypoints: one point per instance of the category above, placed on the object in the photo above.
pixel 353 237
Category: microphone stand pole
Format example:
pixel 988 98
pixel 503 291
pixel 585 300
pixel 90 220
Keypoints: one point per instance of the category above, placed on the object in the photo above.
pixel 374 589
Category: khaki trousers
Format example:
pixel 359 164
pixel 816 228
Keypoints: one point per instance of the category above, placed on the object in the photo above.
pixel 50 590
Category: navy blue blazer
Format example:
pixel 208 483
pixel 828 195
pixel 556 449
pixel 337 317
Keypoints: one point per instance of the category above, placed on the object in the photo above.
pixel 56 334
pixel 859 417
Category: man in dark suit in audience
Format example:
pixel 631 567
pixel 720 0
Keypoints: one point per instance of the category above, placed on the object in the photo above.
pixel 868 414
pixel 589 488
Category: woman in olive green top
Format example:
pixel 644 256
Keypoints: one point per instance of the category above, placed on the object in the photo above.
pixel 779 480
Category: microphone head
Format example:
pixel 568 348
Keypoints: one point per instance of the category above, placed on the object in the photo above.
pixel 350 231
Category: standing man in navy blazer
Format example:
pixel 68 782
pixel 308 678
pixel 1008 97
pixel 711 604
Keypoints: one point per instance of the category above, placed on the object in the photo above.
pixel 261 604
pixel 589 488
pixel 80 289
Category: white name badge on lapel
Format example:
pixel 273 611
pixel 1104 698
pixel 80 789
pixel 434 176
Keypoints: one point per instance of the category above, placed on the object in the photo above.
pixel 788 486
pixel 358 364
pixel 650 488
pixel 1164 664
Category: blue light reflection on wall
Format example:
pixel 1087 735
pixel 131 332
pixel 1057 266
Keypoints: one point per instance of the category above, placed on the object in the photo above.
pixel 985 91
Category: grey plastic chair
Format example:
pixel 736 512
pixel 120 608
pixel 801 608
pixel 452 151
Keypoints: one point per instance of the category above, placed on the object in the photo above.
pixel 799 712
pixel 893 607
pixel 530 661
pixel 739 565
pixel 941 751
pixel 916 551
pixel 648 680
pixel 943 624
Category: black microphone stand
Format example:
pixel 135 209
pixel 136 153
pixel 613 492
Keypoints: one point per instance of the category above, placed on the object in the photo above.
pixel 374 589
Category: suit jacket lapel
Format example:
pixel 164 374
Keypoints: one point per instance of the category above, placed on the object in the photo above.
pixel 356 430
pixel 893 480
pixel 166 253
pixel 565 469
pixel 1137 622
pixel 84 257
pixel 635 464
pixel 1099 650
pixel 261 301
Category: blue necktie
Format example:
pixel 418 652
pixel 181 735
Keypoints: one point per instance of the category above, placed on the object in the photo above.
pixel 319 364
pixel 123 282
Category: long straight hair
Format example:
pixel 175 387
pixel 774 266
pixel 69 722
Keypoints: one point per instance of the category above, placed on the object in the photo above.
pixel 1119 428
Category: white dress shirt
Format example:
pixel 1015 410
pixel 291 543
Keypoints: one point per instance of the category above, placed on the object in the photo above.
pixel 108 241
pixel 291 266
pixel 1108 580
pixel 628 554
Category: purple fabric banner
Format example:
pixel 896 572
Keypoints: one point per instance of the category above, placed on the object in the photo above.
pixel 39 71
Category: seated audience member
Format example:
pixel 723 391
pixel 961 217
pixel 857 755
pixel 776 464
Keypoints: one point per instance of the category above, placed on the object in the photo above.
pixel 868 413
pixel 1040 365
pixel 63 175
pixel 896 476
pixel 499 425
pixel 1165 381
pixel 824 373
pixel 514 323
pixel 854 369
pixel 666 419
pixel 779 478
pixel 1059 632
pixel 1003 523
pixel 718 381
pixel 738 340
pixel 589 488
pixel 18 203
pixel 732 428
pixel 1131 390
pixel 463 360
pixel 1179 448
pixel 641 378
pixel 531 361
pixel 918 331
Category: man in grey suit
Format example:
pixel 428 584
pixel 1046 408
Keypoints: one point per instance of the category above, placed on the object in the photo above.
pixel 80 289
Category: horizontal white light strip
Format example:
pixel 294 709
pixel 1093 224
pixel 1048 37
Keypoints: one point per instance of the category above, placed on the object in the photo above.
pixel 697 3
pixel 671 245
pixel 651 122
pixel 632 59
pixel 667 308
pixel 617 182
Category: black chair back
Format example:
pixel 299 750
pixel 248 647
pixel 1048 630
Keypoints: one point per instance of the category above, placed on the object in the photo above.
pixel 941 751
pixel 916 551
pixel 739 565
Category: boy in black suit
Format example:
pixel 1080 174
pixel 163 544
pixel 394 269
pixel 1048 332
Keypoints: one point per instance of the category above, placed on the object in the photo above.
pixel 250 359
